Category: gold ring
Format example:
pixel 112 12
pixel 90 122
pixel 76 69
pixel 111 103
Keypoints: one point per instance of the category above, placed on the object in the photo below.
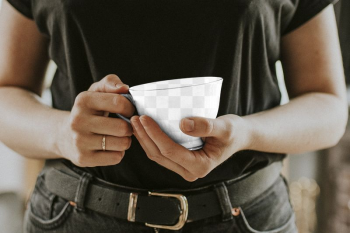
pixel 104 143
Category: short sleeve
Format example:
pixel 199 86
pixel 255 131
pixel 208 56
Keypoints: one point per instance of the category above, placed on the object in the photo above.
pixel 306 10
pixel 23 6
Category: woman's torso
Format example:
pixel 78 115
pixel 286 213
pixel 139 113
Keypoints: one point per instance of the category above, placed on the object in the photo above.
pixel 145 41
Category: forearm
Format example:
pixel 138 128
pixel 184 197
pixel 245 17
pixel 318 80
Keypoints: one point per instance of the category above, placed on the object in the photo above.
pixel 28 126
pixel 309 122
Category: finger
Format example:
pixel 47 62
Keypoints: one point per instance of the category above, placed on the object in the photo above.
pixel 110 84
pixel 154 154
pixel 190 160
pixel 109 126
pixel 163 142
pixel 104 158
pixel 94 142
pixel 203 127
pixel 97 102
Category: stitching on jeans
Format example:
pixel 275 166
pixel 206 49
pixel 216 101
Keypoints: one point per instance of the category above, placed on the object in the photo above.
pixel 52 223
pixel 262 196
pixel 42 189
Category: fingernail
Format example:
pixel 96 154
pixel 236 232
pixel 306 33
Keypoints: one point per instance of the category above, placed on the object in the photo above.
pixel 188 124
pixel 143 121
pixel 135 124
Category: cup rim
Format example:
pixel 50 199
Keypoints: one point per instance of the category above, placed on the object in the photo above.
pixel 189 85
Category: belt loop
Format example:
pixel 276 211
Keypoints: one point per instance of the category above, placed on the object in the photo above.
pixel 82 190
pixel 224 200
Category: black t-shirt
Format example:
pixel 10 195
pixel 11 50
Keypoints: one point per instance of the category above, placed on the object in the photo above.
pixel 344 35
pixel 146 41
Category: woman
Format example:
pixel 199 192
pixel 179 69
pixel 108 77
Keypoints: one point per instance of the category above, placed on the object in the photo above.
pixel 99 170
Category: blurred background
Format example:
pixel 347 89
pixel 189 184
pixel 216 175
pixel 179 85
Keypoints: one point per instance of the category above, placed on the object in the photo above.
pixel 319 181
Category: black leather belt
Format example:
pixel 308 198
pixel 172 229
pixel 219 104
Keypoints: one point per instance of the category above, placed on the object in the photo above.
pixel 159 209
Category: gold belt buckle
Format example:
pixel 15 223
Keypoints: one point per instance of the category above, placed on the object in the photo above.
pixel 183 214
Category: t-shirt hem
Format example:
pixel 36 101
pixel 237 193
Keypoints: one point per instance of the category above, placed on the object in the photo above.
pixel 24 10
pixel 312 12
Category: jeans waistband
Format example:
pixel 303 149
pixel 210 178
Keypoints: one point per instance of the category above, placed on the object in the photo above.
pixel 158 209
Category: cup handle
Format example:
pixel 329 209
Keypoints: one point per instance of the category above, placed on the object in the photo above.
pixel 128 97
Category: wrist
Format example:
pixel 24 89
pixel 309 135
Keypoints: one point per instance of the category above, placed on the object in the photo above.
pixel 61 133
pixel 249 133
pixel 243 137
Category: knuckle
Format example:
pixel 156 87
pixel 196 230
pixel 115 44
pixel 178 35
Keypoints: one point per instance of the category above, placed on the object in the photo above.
pixel 117 101
pixel 230 124
pixel 209 126
pixel 94 86
pixel 81 160
pixel 110 78
pixel 124 106
pixel 121 105
pixel 128 131
pixel 190 178
pixel 124 128
pixel 201 174
pixel 81 99
pixel 78 140
pixel 167 152
pixel 130 141
pixel 153 157
pixel 203 171
pixel 182 160
pixel 227 134
pixel 118 158
pixel 121 155
pixel 126 142
pixel 75 122
pixel 229 129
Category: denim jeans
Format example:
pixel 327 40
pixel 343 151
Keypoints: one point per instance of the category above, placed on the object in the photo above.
pixel 270 212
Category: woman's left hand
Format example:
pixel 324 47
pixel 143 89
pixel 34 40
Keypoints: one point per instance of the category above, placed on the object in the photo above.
pixel 223 137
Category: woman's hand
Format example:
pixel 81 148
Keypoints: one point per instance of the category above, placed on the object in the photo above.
pixel 223 137
pixel 83 131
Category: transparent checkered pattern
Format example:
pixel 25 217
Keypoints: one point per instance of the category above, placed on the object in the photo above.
pixel 167 102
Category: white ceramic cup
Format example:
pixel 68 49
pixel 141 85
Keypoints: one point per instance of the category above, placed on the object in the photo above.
pixel 167 102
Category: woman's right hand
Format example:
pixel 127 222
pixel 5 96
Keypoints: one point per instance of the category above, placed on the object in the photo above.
pixel 83 130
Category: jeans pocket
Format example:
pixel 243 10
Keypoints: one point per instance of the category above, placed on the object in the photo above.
pixel 269 213
pixel 47 210
pixel 287 227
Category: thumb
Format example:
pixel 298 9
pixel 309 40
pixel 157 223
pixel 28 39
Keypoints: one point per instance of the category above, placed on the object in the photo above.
pixel 202 127
pixel 110 84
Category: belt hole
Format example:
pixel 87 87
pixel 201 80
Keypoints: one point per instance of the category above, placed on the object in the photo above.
pixel 117 204
pixel 204 205
pixel 99 199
